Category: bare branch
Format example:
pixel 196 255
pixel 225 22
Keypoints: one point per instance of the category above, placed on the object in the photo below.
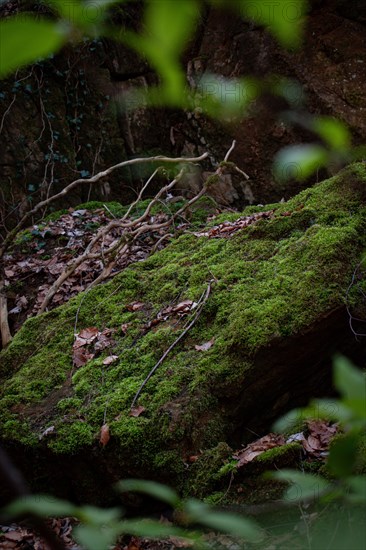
pixel 114 248
pixel 10 237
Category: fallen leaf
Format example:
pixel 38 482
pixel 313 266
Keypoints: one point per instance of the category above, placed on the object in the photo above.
pixel 89 334
pixel 81 356
pixel 258 447
pixel 13 535
pixel 135 306
pixel 110 359
pixel 206 346
pixel 136 411
pixel 104 435
pixel 193 458
pixel 181 543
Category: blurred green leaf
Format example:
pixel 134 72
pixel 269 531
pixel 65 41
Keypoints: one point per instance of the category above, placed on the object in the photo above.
pixel 24 39
pixel 299 161
pixel 153 529
pixel 334 132
pixel 170 24
pixel 351 383
pixel 167 27
pixel 343 454
pixel 235 525
pixel 225 98
pixel 303 486
pixel 95 538
pixel 41 505
pixel 357 485
pixel 97 516
pixel 151 488
pixel 329 409
pixel 285 20
pixel 84 14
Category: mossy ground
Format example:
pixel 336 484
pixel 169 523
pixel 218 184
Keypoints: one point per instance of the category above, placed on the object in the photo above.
pixel 272 280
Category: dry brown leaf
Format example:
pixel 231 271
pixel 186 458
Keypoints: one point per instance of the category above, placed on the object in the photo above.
pixel 13 535
pixel 181 543
pixel 206 346
pixel 110 359
pixel 104 435
pixel 89 334
pixel 135 306
pixel 136 411
pixel 9 272
pixel 81 356
pixel 258 447
pixel 185 306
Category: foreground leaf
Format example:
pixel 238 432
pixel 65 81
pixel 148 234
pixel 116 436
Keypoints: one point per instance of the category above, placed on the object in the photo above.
pixel 303 486
pixel 41 505
pixel 151 488
pixel 299 161
pixel 351 383
pixel 233 524
pixel 24 40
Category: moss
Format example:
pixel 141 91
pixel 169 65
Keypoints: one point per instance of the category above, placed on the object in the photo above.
pixel 72 437
pixel 205 472
pixel 272 280
pixel 280 457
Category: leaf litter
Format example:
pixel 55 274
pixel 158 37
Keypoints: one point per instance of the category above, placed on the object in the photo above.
pixel 315 441
pixel 43 252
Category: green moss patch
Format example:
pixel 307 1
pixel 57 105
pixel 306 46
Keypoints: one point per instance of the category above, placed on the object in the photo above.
pixel 272 282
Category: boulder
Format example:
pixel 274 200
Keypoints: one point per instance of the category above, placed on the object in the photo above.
pixel 269 300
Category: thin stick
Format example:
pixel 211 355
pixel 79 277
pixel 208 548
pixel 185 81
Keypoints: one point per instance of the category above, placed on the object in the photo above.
pixel 203 299
pixel 132 205
pixel 230 150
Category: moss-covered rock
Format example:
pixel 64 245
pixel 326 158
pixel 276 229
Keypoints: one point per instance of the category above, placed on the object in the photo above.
pixel 275 313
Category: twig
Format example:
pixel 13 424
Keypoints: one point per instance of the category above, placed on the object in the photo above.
pixel 201 302
pixel 132 205
pixel 235 167
pixel 242 173
pixel 123 241
pixel 230 150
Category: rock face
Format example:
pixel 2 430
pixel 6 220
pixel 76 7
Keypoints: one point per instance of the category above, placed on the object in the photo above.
pixel 262 344
pixel 59 118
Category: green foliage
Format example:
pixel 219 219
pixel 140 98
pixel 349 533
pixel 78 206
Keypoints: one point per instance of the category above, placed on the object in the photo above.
pixel 167 28
pixel 350 411
pixel 25 39
pixel 283 19
pixel 99 528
